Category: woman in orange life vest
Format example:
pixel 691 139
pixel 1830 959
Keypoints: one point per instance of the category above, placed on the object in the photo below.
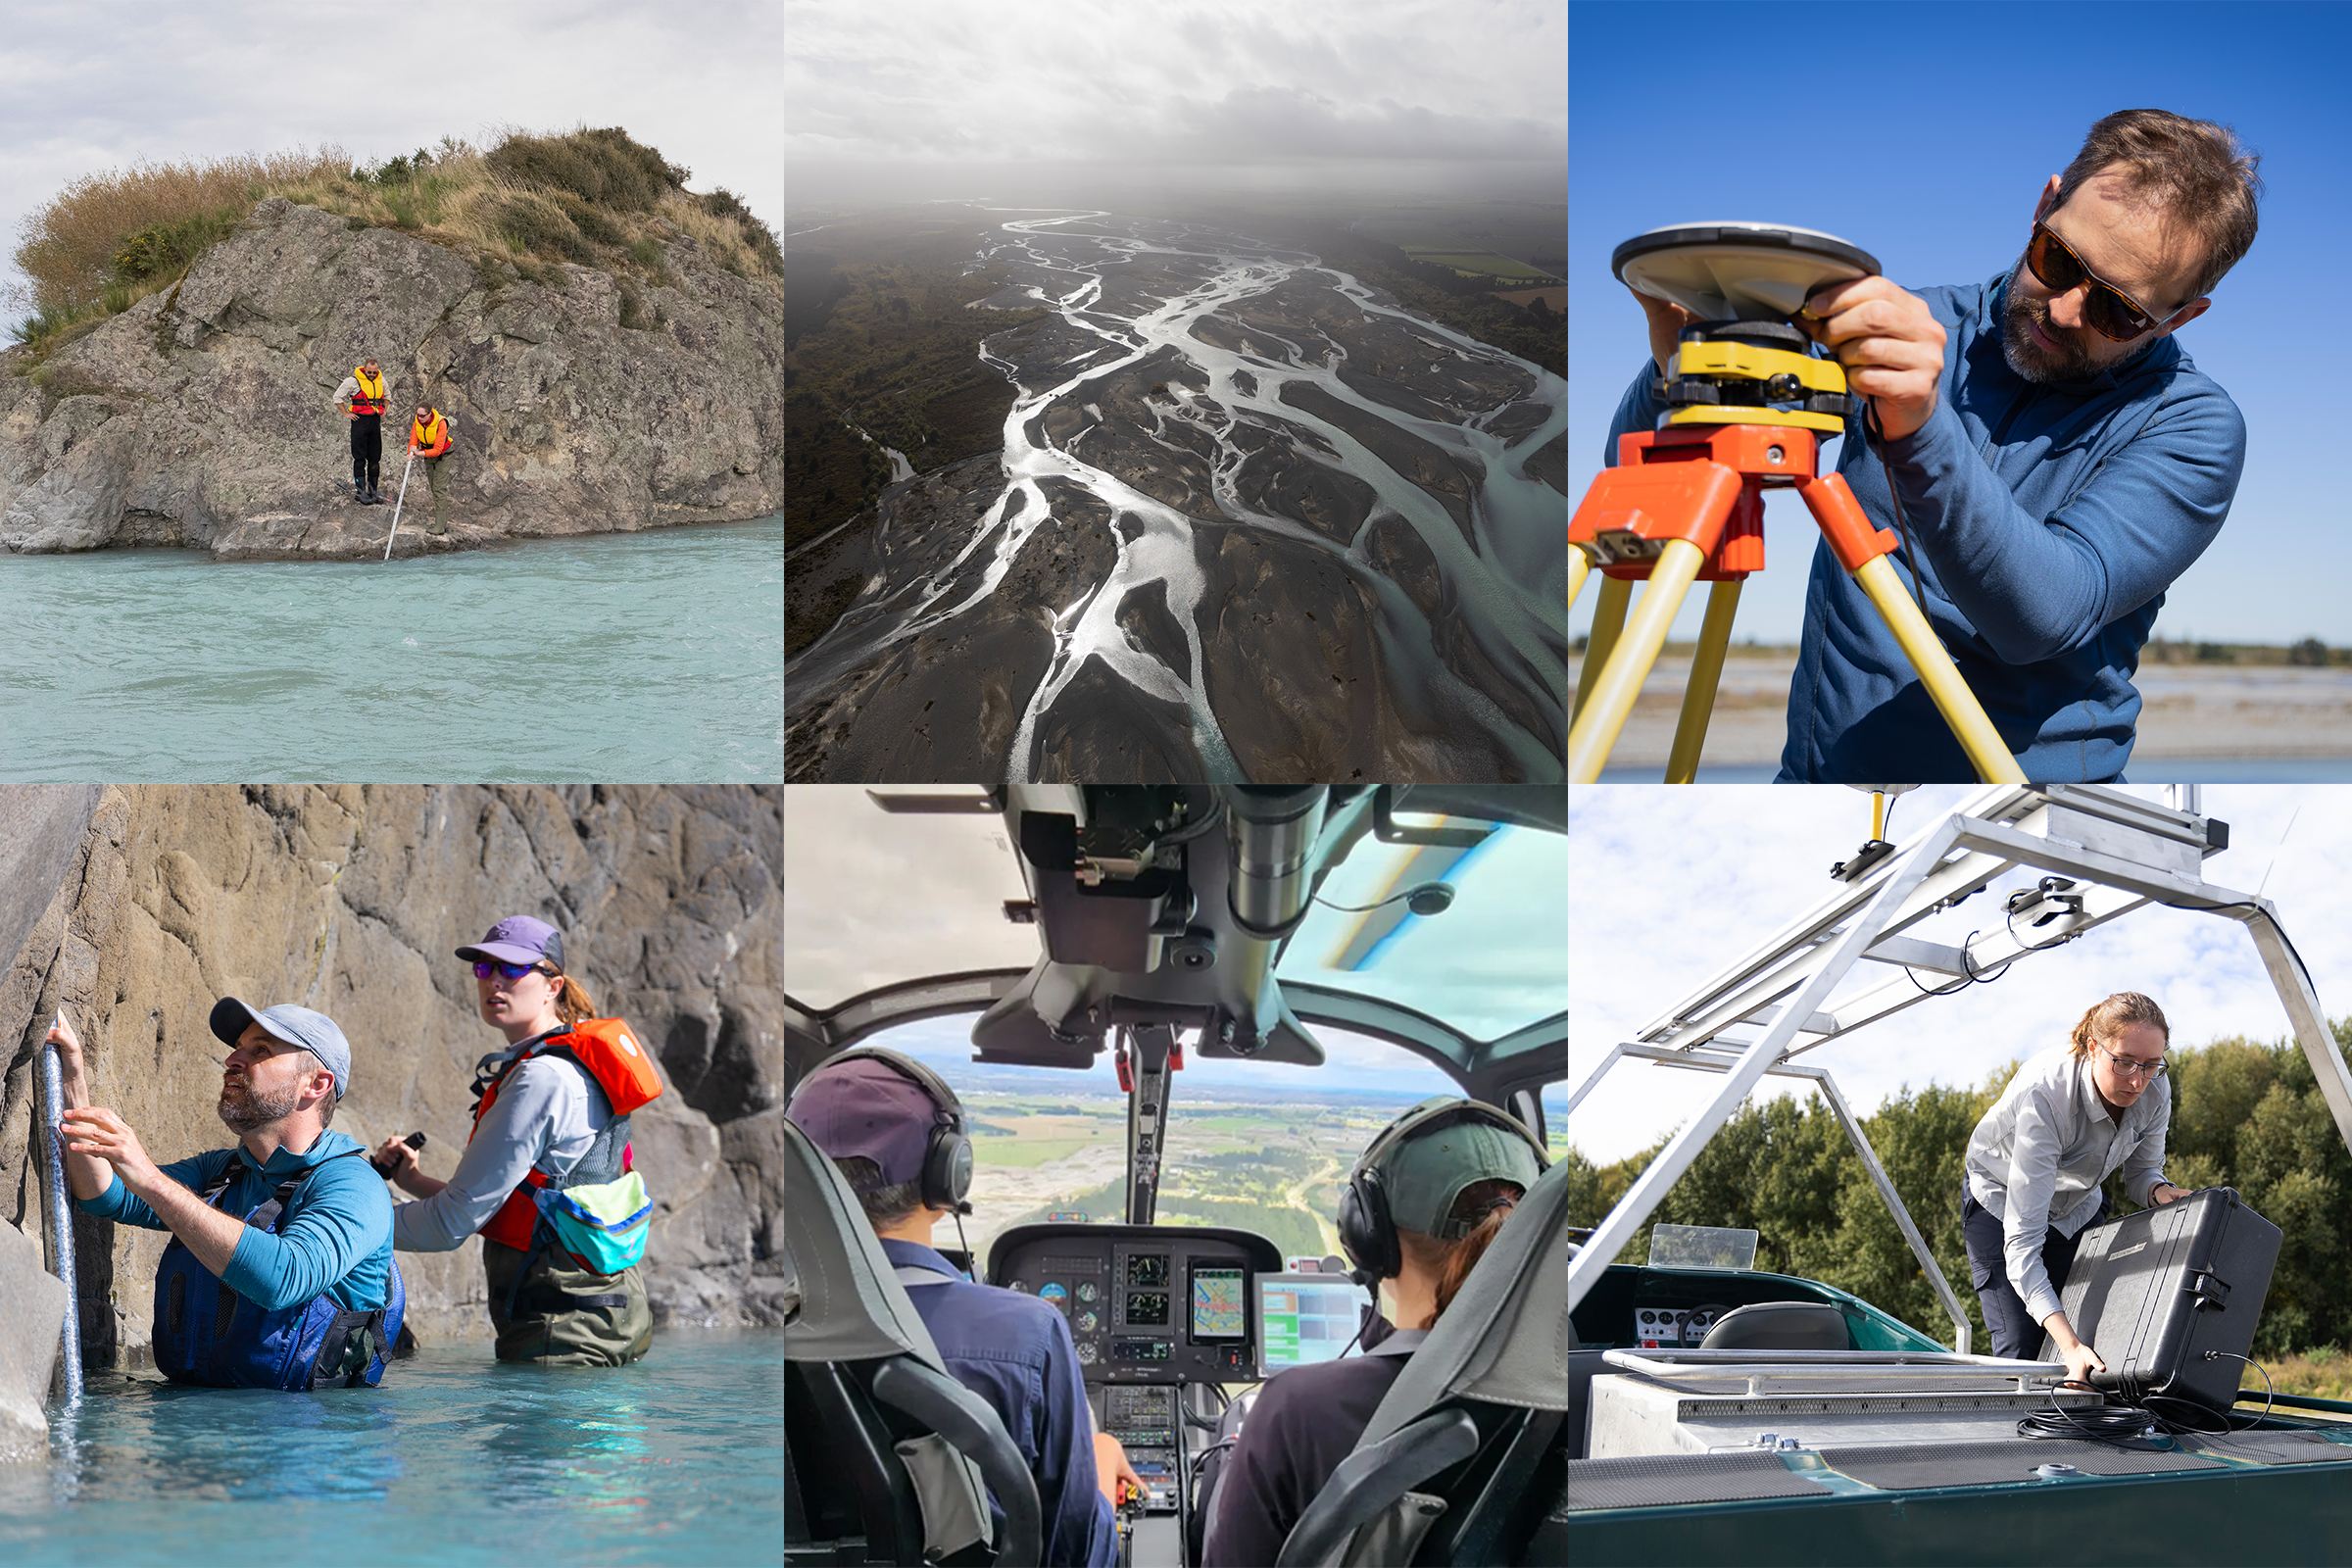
pixel 429 438
pixel 551 1117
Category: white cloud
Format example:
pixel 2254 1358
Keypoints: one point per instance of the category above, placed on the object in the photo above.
pixel 82 91
pixel 1672 885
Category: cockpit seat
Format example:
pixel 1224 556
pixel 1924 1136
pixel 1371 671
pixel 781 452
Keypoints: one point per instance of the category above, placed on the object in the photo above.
pixel 1779 1326
pixel 1459 1461
pixel 885 1455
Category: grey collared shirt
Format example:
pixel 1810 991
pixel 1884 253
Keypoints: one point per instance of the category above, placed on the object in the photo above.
pixel 2037 1159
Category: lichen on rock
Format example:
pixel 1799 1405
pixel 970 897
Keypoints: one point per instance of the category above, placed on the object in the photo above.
pixel 574 409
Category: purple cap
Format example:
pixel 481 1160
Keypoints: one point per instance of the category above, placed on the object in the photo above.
pixel 865 1107
pixel 519 939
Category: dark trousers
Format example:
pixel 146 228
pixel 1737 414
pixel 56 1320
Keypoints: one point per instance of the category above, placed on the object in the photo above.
pixel 2014 1331
pixel 366 450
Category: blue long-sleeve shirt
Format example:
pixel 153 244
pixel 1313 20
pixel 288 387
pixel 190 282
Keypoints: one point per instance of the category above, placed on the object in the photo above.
pixel 1016 1351
pixel 2048 519
pixel 336 1235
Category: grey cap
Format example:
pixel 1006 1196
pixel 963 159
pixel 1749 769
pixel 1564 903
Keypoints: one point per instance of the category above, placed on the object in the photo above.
pixel 1425 1173
pixel 314 1032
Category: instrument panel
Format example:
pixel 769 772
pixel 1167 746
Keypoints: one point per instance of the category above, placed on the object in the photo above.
pixel 1145 1303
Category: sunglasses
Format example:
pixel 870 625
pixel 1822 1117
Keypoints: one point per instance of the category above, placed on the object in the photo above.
pixel 2109 311
pixel 484 969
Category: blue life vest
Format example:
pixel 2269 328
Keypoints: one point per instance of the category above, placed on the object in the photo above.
pixel 207 1333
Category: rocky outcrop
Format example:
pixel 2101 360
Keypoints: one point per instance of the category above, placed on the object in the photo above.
pixel 350 899
pixel 205 417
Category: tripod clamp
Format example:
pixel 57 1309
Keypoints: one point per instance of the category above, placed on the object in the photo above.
pixel 1746 409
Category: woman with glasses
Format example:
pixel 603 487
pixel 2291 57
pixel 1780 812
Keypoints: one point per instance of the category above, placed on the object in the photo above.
pixel 2071 1117
pixel 543 1120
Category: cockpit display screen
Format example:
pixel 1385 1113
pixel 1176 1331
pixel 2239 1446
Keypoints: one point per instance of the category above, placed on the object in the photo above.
pixel 1148 1269
pixel 1148 1308
pixel 1220 1310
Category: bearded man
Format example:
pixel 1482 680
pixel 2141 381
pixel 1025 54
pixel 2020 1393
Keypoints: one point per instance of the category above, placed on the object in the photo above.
pixel 280 1271
pixel 2046 452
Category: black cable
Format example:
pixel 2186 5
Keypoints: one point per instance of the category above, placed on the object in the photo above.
pixel 2099 1423
pixel 1877 437
pixel 1968 976
pixel 1887 825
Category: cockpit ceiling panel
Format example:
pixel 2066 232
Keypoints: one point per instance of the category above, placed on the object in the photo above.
pixel 874 900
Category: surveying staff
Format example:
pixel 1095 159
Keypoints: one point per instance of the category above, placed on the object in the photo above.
pixel 361 397
pixel 1421 1207
pixel 542 1117
pixel 279 1274
pixel 429 438
pixel 2058 458
pixel 897 1131
pixel 2035 1162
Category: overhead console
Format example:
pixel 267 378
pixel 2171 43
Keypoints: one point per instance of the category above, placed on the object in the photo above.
pixel 1145 1303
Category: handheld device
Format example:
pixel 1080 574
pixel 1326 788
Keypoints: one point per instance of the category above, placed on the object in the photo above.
pixel 384 1168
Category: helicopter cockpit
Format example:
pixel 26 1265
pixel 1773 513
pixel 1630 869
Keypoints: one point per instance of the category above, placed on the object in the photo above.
pixel 1265 974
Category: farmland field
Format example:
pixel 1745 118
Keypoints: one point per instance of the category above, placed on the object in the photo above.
pixel 1477 261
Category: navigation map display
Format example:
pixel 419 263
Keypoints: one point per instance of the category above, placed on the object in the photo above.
pixel 1220 1311
pixel 1303 1318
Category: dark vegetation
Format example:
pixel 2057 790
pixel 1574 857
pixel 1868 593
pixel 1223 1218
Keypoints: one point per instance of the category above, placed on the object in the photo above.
pixel 1534 332
pixel 2310 652
pixel 2245 1114
pixel 877 336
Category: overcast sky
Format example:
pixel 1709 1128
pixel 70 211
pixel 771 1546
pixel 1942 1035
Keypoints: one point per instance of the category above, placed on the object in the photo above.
pixel 84 89
pixel 1672 885
pixel 1319 89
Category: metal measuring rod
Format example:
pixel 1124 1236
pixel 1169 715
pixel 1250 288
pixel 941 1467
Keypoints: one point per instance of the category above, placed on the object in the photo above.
pixel 1747 406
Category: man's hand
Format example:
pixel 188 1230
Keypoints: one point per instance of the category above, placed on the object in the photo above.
pixel 70 1063
pixel 1111 1468
pixel 98 1132
pixel 396 1153
pixel 2166 1193
pixel 1890 345
pixel 1666 323
pixel 347 411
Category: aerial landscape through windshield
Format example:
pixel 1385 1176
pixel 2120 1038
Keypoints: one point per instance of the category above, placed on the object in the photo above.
pixel 1227 443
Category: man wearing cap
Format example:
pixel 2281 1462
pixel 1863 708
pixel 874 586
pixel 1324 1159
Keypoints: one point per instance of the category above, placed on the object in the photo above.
pixel 286 1069
pixel 876 1122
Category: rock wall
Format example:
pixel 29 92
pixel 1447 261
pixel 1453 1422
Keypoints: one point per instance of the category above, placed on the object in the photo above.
pixel 205 417
pixel 349 899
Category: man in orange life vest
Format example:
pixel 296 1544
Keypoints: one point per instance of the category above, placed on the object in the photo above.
pixel 429 438
pixel 361 397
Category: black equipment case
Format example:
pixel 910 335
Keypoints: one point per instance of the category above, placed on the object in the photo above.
pixel 2168 1297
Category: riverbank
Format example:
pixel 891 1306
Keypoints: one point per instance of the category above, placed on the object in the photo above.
pixel 2193 713
pixel 205 417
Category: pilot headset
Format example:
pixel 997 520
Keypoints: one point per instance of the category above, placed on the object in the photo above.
pixel 947 1176
pixel 1367 1231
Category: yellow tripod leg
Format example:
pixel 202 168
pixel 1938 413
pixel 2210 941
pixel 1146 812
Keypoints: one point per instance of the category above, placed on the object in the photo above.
pixel 1959 706
pixel 1594 729
pixel 1577 568
pixel 1706 672
pixel 1608 620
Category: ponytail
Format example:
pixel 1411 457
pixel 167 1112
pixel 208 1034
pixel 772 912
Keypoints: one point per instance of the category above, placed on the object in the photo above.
pixel 2111 1017
pixel 572 1003
pixel 1480 1209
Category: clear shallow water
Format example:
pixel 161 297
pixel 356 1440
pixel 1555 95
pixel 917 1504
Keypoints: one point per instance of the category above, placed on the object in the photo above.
pixel 2155 770
pixel 617 656
pixel 454 1460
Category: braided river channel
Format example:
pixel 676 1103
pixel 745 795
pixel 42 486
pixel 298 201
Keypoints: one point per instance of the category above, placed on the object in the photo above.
pixel 1251 520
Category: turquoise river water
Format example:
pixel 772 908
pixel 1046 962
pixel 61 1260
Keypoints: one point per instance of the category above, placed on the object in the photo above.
pixel 619 656
pixel 678 1460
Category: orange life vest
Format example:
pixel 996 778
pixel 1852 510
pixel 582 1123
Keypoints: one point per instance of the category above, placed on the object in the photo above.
pixel 431 438
pixel 606 1050
pixel 370 396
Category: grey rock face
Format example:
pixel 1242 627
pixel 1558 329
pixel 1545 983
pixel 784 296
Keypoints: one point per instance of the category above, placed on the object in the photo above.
pixel 33 1317
pixel 350 900
pixel 205 417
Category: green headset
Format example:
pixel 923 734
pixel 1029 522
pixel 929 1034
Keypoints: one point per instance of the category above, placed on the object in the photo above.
pixel 1367 1230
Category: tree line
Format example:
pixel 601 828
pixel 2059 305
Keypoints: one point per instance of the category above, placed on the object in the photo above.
pixel 2245 1114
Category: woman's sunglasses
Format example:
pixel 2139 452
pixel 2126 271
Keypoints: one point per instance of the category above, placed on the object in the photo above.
pixel 2108 310
pixel 483 969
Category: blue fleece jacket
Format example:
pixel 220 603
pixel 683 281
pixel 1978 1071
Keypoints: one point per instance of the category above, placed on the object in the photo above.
pixel 2048 520
pixel 336 1235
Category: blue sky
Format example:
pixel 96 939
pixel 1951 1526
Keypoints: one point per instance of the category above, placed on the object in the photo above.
pixel 1923 134
pixel 1674 885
